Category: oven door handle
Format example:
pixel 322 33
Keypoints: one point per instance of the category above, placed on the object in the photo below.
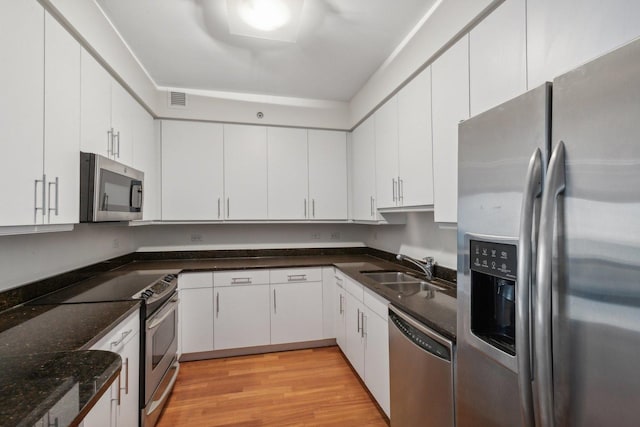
pixel 162 318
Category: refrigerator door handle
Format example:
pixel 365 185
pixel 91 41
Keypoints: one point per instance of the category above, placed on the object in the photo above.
pixel 543 375
pixel 526 240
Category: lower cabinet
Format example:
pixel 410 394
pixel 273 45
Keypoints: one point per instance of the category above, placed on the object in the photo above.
pixel 196 312
pixel 118 406
pixel 296 312
pixel 363 336
pixel 241 316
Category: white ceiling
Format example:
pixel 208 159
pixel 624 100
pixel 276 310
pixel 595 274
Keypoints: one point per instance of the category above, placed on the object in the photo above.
pixel 185 44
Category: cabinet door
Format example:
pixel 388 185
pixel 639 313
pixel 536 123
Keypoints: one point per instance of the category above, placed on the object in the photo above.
pixel 497 57
pixel 147 158
pixel 21 106
pixel 245 171
pixel 241 316
pixel 288 173
pixel 95 106
pixel 340 305
pixel 354 335
pixel 415 144
pixel 61 123
pixel 196 319
pixel 328 174
pixel 101 415
pixel 376 358
pixel 296 312
pixel 328 305
pixel 122 112
pixel 386 143
pixel 129 382
pixel 363 169
pixel 192 170
pixel 450 92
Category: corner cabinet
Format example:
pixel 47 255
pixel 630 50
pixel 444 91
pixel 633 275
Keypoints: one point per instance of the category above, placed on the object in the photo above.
pixel 450 74
pixel 245 172
pixel 192 171
pixel 327 175
pixel 196 312
pixel 363 171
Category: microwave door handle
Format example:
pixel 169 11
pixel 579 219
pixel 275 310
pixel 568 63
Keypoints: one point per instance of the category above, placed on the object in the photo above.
pixel 526 240
pixel 105 202
pixel 543 375
pixel 135 199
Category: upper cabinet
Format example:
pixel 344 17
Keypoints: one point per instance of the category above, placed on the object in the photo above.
pixel 245 172
pixel 288 181
pixel 450 91
pixel 327 175
pixel 497 57
pixel 363 171
pixel 192 171
pixel 146 157
pixel 107 113
pixel 386 147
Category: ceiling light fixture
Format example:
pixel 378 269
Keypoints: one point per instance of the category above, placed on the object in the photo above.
pixel 264 15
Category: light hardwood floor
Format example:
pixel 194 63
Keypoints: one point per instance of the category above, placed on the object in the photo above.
pixel 314 387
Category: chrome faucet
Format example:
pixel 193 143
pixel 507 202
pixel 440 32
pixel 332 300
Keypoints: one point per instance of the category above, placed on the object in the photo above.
pixel 426 265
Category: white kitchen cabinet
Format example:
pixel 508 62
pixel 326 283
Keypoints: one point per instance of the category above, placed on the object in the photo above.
pixel 61 124
pixel 245 172
pixel 196 312
pixel 450 103
pixel 563 35
pixel 296 312
pixel 288 185
pixel 497 57
pixel 386 143
pixel 415 148
pixel 59 415
pixel 242 316
pixel 193 171
pixel 354 333
pixel 376 349
pixel 327 175
pixel 21 106
pixel 329 294
pixel 363 171
pixel 123 395
pixel 107 113
pixel 147 158
pixel 340 311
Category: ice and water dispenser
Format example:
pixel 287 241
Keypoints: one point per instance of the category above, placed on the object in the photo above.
pixel 493 291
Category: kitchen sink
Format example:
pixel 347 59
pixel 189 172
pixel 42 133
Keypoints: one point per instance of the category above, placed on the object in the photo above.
pixel 390 276
pixel 409 288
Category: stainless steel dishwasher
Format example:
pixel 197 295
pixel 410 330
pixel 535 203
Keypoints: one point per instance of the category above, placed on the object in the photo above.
pixel 421 371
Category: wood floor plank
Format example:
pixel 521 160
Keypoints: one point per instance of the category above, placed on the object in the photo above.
pixel 314 387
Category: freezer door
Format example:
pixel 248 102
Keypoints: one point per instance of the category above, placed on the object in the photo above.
pixel 596 255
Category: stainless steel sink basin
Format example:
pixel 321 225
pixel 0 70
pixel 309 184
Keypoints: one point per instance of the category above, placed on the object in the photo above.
pixel 390 277
pixel 409 288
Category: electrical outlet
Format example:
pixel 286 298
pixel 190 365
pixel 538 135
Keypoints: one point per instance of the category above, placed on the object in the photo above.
pixel 196 237
pixel 335 235
pixel 315 236
pixel 116 243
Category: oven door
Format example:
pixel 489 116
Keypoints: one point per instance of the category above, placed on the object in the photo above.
pixel 161 345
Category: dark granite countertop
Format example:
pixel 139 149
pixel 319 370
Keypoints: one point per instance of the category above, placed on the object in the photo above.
pixel 45 361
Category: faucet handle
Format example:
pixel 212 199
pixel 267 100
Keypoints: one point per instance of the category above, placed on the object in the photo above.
pixel 429 260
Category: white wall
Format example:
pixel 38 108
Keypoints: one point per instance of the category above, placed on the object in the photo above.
pixel 29 257
pixel 420 237
pixel 249 236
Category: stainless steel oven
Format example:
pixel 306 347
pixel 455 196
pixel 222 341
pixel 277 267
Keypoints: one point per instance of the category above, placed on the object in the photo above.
pixel 161 363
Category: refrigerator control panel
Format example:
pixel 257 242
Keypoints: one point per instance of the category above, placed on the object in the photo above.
pixel 496 259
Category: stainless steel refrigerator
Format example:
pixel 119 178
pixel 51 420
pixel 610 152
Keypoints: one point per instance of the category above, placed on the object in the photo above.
pixel 549 253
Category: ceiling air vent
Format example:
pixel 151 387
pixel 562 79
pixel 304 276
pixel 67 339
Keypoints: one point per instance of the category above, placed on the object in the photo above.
pixel 177 99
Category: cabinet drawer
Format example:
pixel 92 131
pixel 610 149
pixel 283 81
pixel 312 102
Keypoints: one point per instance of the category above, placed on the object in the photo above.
pixel 354 288
pixel 241 277
pixel 289 275
pixel 195 280
pixel 376 303
pixel 124 332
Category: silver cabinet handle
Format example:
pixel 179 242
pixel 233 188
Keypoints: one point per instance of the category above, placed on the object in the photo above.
pixel 393 188
pixel 554 186
pixel 371 201
pixel 358 330
pixel 240 280
pixel 110 142
pixel 400 190
pixel 57 184
pixel 313 207
pixel 218 207
pixel 35 197
pixel 362 332
pixel 275 307
pixel 341 309
pixel 228 215
pixel 117 135
pixel 305 208
pixel 217 304
pixel 526 241
pixel 126 376
pixel 296 277
pixel 338 280
pixel 122 338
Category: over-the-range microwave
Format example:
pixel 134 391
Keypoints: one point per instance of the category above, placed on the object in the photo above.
pixel 109 191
